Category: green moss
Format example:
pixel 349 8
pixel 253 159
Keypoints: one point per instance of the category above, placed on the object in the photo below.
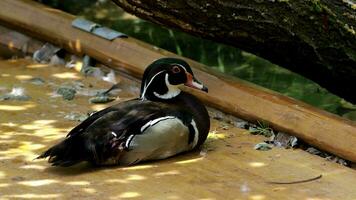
pixel 317 7
pixel 349 29
pixel 68 93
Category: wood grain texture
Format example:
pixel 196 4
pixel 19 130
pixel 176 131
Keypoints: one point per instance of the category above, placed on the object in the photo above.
pixel 227 168
pixel 318 128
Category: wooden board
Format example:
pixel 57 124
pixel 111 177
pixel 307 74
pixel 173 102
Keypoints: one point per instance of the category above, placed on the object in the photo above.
pixel 14 43
pixel 319 128
pixel 227 168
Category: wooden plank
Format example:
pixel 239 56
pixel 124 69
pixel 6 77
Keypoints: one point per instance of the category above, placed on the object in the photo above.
pixel 16 42
pixel 227 168
pixel 319 128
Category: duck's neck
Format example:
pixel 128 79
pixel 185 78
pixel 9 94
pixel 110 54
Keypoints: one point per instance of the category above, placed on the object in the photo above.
pixel 156 91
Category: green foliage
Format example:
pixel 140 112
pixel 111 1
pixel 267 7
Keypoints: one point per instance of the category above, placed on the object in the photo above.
pixel 261 129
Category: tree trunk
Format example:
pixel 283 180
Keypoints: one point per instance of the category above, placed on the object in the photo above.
pixel 315 38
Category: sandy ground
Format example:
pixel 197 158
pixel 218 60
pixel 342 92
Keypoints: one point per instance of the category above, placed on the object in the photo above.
pixel 226 168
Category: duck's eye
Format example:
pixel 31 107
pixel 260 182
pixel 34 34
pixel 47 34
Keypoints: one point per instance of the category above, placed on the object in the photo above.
pixel 175 69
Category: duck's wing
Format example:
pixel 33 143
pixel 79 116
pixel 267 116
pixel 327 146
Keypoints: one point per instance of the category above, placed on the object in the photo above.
pixel 120 109
pixel 106 134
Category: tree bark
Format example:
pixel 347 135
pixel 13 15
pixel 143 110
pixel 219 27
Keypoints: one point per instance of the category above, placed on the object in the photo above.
pixel 315 38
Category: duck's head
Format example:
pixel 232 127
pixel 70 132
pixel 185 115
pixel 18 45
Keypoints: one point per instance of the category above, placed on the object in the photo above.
pixel 162 78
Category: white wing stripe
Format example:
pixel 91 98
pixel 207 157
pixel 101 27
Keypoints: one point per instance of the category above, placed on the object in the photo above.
pixel 196 133
pixel 155 121
pixel 127 143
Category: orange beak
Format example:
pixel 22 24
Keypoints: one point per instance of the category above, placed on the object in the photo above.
pixel 194 83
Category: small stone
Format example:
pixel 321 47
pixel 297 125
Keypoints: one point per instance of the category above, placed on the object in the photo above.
pixel 284 140
pixel 313 151
pixel 263 146
pixel 36 81
pixel 101 99
pixel 241 124
pixel 76 117
pixel 17 93
pixel 68 93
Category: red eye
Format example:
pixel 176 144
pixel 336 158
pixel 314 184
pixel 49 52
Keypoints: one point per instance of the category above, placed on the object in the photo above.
pixel 175 69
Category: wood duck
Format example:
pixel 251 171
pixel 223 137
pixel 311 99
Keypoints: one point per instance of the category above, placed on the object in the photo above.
pixel 164 121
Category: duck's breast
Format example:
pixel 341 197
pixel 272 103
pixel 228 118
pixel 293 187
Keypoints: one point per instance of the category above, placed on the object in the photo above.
pixel 161 139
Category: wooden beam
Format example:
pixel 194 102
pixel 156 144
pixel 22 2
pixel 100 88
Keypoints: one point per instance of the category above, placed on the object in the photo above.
pixel 13 43
pixel 318 128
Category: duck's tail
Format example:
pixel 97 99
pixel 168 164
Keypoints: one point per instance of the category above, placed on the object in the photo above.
pixel 66 153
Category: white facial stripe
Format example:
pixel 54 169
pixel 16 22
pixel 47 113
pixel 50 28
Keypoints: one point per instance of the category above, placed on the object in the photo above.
pixel 173 90
pixel 196 133
pixel 155 121
pixel 181 66
pixel 195 84
pixel 146 86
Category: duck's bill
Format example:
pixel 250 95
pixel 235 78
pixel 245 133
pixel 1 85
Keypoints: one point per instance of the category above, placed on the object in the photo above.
pixel 194 83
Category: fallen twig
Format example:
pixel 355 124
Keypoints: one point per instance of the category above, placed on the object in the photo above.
pixel 296 182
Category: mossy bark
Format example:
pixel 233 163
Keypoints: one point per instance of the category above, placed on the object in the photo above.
pixel 315 38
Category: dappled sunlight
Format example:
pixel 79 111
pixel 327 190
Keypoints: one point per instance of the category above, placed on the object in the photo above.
pixel 138 167
pixel 130 178
pixel 167 173
pixel 216 135
pixel 9 124
pixel 75 45
pixel 78 66
pixel 33 166
pixel 135 177
pixel 89 190
pixel 257 197
pixel 29 146
pixel 127 16
pixel 116 181
pixel 78 45
pixel 38 124
pixel 189 161
pixel 23 77
pixel 23 151
pixel 16 108
pixel 81 183
pixel 66 75
pixel 37 183
pixel 257 164
pixel 5 75
pixel 2 185
pixel 127 195
pixel 37 66
pixel 98 106
pixel 2 174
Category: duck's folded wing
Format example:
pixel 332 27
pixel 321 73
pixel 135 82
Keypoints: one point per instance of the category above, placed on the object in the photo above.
pixel 106 134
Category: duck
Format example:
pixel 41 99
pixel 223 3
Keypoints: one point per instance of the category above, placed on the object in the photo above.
pixel 162 122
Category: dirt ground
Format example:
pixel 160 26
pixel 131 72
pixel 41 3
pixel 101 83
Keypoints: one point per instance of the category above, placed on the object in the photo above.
pixel 227 167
